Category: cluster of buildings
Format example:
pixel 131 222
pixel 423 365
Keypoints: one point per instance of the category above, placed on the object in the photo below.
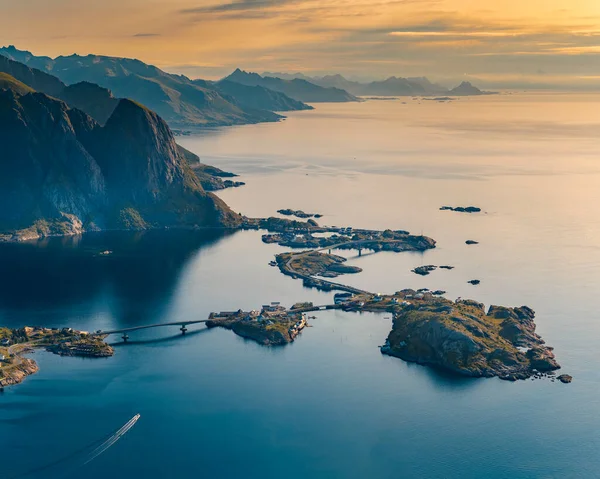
pixel 268 314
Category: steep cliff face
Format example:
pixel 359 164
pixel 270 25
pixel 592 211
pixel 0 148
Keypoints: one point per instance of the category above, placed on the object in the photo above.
pixel 151 175
pixel 62 173
pixel 45 172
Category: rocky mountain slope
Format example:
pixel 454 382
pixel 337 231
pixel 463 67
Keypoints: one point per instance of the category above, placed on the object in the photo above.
pixel 178 100
pixel 97 102
pixel 63 173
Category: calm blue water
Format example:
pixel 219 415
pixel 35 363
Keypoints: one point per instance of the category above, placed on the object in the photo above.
pixel 330 405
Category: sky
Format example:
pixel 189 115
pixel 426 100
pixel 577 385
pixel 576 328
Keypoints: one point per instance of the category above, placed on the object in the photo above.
pixel 508 42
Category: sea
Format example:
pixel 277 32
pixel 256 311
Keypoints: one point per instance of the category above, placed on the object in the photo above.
pixel 329 405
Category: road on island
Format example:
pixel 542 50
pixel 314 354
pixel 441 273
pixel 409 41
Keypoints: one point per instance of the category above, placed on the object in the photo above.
pixel 332 284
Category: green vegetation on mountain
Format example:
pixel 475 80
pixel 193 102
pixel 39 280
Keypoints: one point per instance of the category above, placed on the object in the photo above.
pixel 8 82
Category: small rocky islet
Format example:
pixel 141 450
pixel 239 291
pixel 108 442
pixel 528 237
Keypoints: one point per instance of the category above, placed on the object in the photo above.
pixel 461 209
pixel 298 213
pixel 428 268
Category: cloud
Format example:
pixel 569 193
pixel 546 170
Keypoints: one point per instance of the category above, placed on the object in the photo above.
pixel 451 34
pixel 141 35
pixel 239 6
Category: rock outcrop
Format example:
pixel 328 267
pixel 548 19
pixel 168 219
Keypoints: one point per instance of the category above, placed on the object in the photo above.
pixel 17 374
pixel 462 338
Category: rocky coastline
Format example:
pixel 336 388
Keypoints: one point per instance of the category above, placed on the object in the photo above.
pixel 17 374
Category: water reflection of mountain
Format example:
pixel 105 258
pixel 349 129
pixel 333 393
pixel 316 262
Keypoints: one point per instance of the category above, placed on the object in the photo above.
pixel 60 281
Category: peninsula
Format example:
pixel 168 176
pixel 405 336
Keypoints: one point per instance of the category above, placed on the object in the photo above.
pixel 15 343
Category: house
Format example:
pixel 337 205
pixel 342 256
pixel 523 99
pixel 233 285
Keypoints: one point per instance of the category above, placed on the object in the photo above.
pixel 377 298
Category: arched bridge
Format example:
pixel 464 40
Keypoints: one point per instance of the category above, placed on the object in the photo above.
pixel 124 331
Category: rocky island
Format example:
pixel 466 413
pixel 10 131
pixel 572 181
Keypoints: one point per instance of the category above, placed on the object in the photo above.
pixel 273 325
pixel 296 234
pixel 461 337
pixel 314 264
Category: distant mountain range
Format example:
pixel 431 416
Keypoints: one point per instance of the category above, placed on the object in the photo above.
pixel 297 88
pixel 62 172
pixel 183 103
pixel 393 86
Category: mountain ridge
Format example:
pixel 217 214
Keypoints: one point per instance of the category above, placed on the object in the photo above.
pixel 175 98
pixel 298 89
pixel 391 86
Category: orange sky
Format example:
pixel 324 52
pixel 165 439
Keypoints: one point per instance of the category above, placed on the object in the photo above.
pixel 537 40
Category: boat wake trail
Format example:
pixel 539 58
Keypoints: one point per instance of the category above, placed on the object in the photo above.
pixel 71 461
pixel 112 439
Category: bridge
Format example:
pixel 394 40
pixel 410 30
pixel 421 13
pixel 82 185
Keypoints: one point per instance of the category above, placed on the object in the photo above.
pixel 183 324
pixel 124 331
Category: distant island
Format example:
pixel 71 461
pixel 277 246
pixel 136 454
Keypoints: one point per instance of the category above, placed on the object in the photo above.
pixel 392 86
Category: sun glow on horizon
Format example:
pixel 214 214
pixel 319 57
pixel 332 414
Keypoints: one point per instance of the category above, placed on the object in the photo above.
pixel 209 38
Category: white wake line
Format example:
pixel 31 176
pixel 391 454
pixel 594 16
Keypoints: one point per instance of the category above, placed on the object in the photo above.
pixel 113 439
